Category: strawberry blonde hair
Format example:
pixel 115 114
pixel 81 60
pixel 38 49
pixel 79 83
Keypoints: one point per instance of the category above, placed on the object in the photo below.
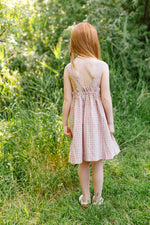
pixel 84 42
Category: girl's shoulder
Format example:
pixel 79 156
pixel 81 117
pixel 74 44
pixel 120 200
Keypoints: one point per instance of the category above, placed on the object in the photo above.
pixel 103 63
pixel 66 68
pixel 67 65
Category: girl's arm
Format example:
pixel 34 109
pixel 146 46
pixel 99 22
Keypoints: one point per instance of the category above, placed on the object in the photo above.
pixel 67 100
pixel 106 97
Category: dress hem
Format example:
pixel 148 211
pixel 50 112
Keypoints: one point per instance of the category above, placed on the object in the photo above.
pixel 108 158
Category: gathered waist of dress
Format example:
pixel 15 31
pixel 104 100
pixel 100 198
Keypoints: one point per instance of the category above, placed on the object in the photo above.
pixel 86 92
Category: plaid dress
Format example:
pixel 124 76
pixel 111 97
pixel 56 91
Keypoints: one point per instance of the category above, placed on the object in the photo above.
pixel 92 139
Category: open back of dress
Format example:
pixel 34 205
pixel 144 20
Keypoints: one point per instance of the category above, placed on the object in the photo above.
pixel 85 71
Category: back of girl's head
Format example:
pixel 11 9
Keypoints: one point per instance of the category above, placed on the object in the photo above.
pixel 84 42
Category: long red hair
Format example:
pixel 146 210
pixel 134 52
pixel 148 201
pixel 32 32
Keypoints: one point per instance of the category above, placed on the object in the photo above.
pixel 84 42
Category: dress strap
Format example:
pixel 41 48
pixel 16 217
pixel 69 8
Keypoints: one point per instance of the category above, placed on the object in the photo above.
pixel 97 78
pixel 76 81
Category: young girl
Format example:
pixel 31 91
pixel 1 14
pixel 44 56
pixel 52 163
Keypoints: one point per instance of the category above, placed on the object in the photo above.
pixel 87 101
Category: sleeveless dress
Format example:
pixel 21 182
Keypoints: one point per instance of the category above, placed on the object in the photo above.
pixel 92 139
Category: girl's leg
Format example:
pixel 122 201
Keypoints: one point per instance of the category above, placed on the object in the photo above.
pixel 97 177
pixel 84 177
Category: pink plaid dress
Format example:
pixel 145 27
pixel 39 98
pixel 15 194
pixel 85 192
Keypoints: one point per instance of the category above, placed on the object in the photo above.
pixel 92 139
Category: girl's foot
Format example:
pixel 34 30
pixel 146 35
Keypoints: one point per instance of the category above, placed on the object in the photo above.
pixel 84 204
pixel 98 201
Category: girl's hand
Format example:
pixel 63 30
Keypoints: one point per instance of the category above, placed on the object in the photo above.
pixel 111 128
pixel 67 131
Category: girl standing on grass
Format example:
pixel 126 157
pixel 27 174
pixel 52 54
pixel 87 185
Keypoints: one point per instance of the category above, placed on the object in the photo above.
pixel 88 104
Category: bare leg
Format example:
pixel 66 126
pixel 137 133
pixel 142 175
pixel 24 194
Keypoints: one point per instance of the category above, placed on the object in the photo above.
pixel 97 177
pixel 84 176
